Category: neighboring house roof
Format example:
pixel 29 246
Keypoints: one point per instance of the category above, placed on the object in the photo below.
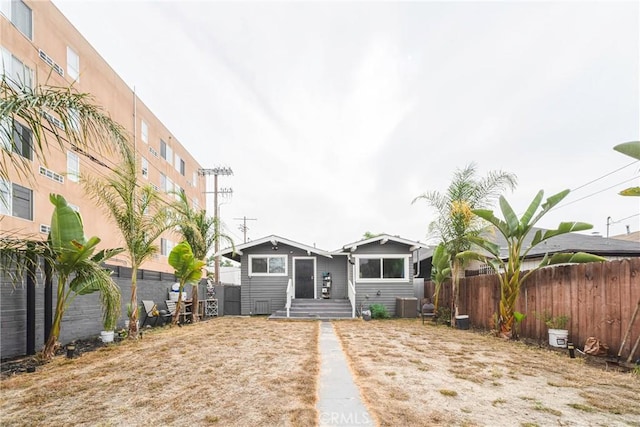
pixel 629 237
pixel 572 242
pixel 274 240
pixel 383 239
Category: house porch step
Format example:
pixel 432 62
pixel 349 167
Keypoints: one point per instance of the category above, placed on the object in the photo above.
pixel 315 309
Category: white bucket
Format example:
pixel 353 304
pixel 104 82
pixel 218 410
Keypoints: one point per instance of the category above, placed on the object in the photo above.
pixel 173 296
pixel 558 338
pixel 106 336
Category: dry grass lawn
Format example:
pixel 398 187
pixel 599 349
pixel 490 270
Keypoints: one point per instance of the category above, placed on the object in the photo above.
pixel 415 375
pixel 227 371
pixel 236 371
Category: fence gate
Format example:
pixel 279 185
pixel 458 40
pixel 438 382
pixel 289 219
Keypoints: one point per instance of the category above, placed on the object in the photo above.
pixel 232 300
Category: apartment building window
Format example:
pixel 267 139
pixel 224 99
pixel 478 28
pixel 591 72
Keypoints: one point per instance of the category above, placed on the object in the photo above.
pixel 169 185
pixel 195 179
pixel 19 74
pixel 19 14
pixel 73 166
pixel 74 119
pixel 165 246
pixel 145 167
pixel 16 200
pixel 19 139
pixel 163 181
pixel 178 191
pixel 163 149
pixel 144 132
pixel 73 64
pixel 179 165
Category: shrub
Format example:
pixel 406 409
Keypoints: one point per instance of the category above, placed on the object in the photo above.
pixel 379 311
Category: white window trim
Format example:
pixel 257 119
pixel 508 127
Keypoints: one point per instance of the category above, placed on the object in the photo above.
pixel 144 132
pixel 73 175
pixel 286 265
pixel 73 67
pixel 144 165
pixel 381 257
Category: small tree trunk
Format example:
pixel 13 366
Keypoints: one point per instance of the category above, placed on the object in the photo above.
pixel 176 315
pixel 133 319
pixel 194 301
pixel 51 345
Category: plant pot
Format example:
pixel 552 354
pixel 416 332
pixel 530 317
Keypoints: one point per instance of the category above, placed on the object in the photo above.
pixel 462 321
pixel 558 338
pixel 106 336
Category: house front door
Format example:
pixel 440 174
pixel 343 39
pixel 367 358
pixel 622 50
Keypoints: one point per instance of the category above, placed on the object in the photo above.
pixel 304 276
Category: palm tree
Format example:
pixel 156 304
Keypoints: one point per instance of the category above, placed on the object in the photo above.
pixel 139 213
pixel 48 112
pixel 201 233
pixel 456 223
pixel 188 269
pixel 515 231
pixel 70 118
pixel 74 256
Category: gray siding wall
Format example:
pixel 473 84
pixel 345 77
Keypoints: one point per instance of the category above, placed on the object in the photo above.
pixel 83 318
pixel 366 292
pixel 337 266
pixel 257 291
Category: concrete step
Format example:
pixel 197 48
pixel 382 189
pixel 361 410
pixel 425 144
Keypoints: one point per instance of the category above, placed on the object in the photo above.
pixel 315 309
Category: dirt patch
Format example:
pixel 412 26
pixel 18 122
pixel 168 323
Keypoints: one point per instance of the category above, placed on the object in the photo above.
pixel 229 371
pixel 414 374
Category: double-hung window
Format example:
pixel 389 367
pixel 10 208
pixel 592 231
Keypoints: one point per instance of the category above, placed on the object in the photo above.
pixel 19 14
pixel 16 200
pixel 267 265
pixel 73 166
pixel 18 74
pixel 166 246
pixel 17 138
pixel 144 132
pixel 382 268
pixel 145 167
pixel 73 64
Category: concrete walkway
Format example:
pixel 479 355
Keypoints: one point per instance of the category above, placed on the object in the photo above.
pixel 339 403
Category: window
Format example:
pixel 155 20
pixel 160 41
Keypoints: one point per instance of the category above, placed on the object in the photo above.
pixel 73 64
pixel 166 246
pixel 16 200
pixel 163 181
pixel 74 119
pixel 385 267
pixel 19 74
pixel 22 140
pixel 195 179
pixel 178 192
pixel 144 132
pixel 73 166
pixel 169 185
pixel 267 265
pixel 145 167
pixel 19 14
pixel 166 152
pixel 179 165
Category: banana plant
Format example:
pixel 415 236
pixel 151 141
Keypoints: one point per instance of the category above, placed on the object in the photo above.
pixel 631 149
pixel 440 270
pixel 188 269
pixel 74 255
pixel 515 231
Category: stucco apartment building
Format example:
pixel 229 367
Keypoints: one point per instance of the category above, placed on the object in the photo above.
pixel 40 46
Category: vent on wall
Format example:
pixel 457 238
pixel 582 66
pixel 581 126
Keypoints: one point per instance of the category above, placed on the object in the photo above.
pixel 262 307
pixel 46 58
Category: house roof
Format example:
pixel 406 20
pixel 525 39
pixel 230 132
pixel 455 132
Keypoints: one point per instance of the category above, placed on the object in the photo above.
pixel 382 239
pixel 573 242
pixel 274 240
pixel 570 242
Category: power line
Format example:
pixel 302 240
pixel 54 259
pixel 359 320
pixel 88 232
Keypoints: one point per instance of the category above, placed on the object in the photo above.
pixel 593 194
pixel 604 176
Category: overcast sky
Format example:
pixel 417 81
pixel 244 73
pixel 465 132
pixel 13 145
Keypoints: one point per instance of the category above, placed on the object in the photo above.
pixel 334 116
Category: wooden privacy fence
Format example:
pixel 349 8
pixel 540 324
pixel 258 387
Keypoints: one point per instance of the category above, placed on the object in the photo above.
pixel 599 299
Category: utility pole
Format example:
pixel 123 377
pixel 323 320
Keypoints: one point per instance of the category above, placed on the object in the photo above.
pixel 224 171
pixel 244 227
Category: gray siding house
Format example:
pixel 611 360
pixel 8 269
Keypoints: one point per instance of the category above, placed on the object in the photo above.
pixel 276 271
